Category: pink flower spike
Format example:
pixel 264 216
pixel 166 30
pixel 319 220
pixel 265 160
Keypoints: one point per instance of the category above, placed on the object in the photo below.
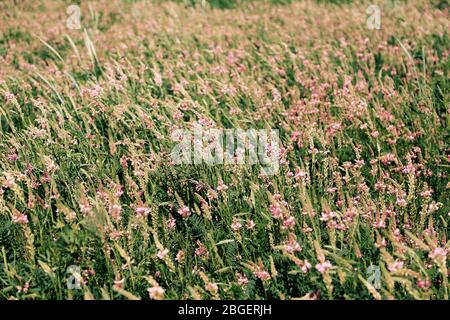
pixel 184 212
pixel 324 266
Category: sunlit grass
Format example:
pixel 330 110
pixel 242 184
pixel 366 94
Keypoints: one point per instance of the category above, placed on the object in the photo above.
pixel 86 177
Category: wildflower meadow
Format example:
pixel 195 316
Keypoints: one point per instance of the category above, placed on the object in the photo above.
pixel 224 149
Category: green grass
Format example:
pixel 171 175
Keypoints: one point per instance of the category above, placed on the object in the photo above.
pixel 345 107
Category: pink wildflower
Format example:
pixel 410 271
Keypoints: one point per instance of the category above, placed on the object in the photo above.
pixel 158 79
pixel 396 265
pixel 236 225
pixel 85 208
pixel 276 211
pixel 171 223
pixel 201 250
pixel 324 266
pixel 118 283
pixel 162 253
pixel 242 280
pixel 292 246
pixel 180 257
pixel 19 218
pixel 10 97
pixel 184 212
pixel 115 211
pixel 156 292
pixel 212 287
pixel 250 225
pixel 142 211
pixel 289 223
pixel 423 284
pixel 438 253
pixel 222 186
pixel 261 274
pixel 306 266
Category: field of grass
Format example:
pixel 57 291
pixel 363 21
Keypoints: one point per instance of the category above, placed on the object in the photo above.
pixel 93 207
